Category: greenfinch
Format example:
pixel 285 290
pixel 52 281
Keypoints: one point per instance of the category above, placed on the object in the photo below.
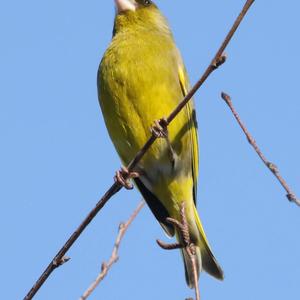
pixel 141 78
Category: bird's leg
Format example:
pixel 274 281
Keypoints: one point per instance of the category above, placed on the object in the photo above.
pixel 183 231
pixel 160 130
pixel 123 177
pixel 186 243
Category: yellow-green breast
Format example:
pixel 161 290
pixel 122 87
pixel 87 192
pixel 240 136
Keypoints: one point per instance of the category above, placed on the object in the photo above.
pixel 141 78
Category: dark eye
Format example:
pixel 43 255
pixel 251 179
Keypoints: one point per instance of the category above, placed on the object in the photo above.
pixel 147 2
pixel 144 2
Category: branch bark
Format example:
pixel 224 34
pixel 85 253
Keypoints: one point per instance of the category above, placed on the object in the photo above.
pixel 218 60
pixel 272 167
pixel 105 267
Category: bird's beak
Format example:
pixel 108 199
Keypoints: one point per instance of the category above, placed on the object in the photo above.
pixel 123 5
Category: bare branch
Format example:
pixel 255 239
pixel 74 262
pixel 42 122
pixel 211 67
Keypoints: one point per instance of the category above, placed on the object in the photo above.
pixel 272 167
pixel 191 254
pixel 218 60
pixel 105 267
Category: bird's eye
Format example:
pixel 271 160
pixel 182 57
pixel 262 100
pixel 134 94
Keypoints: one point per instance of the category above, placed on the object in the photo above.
pixel 145 2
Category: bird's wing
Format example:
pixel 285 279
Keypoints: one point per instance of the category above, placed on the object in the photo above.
pixel 191 112
pixel 157 208
pixel 153 202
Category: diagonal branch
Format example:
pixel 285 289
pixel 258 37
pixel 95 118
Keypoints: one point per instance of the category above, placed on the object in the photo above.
pixel 272 167
pixel 218 60
pixel 105 267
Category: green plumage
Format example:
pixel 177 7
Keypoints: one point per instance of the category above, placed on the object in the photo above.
pixel 142 78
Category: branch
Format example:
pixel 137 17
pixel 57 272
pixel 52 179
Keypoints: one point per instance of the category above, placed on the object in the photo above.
pixel 272 167
pixel 105 267
pixel 193 260
pixel 218 60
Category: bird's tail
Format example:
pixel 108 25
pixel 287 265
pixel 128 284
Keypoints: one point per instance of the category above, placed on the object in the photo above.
pixel 205 259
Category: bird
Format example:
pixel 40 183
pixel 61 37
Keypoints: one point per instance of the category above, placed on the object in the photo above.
pixel 141 78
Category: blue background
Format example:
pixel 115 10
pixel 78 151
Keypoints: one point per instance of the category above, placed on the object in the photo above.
pixel 57 160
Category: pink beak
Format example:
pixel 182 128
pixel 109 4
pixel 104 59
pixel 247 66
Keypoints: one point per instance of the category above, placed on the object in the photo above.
pixel 123 5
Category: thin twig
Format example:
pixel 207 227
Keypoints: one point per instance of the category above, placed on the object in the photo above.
pixel 272 167
pixel 60 255
pixel 218 59
pixel 192 254
pixel 105 267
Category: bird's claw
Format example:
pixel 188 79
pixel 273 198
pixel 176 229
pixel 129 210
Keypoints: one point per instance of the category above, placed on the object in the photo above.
pixel 159 129
pixel 183 231
pixel 123 177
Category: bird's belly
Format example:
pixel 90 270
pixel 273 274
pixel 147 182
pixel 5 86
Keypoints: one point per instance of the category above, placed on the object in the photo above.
pixel 132 97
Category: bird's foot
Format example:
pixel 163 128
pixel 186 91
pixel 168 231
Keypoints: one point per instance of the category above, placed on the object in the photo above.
pixel 183 231
pixel 160 130
pixel 185 243
pixel 123 177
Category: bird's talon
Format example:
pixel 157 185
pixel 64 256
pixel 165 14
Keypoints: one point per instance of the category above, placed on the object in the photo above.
pixel 163 122
pixel 159 128
pixel 166 246
pixel 183 231
pixel 123 177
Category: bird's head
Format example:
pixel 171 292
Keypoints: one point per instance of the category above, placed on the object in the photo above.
pixel 132 5
pixel 144 13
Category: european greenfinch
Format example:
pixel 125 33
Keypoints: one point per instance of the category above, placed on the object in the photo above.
pixel 141 78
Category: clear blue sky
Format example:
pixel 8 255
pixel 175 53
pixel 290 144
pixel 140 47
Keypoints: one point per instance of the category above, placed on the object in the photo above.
pixel 57 160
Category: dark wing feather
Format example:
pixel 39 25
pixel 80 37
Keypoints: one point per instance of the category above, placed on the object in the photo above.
pixel 156 207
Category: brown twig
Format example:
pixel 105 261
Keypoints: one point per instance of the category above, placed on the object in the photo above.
pixel 218 60
pixel 191 254
pixel 272 167
pixel 186 243
pixel 105 267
